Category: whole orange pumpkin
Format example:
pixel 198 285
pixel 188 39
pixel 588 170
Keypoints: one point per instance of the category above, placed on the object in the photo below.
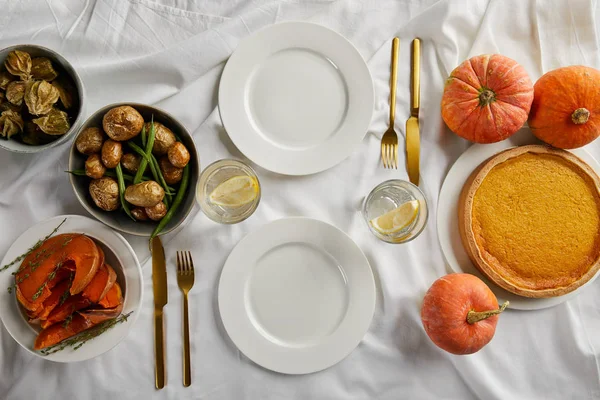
pixel 487 98
pixel 460 313
pixel 566 107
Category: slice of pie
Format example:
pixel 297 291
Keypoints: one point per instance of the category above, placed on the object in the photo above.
pixel 529 219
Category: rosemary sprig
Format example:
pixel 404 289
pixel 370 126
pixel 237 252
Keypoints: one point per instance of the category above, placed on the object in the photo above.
pixel 67 292
pixel 82 338
pixel 67 320
pixel 50 276
pixel 35 246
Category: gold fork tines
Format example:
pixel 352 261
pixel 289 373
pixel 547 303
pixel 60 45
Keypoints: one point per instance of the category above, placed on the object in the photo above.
pixel 389 141
pixel 185 280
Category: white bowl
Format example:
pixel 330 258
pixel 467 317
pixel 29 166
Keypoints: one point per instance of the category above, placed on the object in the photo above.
pixel 119 255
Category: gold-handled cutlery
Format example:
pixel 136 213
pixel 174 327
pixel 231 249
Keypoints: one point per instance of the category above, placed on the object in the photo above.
pixel 413 148
pixel 389 141
pixel 159 285
pixel 185 280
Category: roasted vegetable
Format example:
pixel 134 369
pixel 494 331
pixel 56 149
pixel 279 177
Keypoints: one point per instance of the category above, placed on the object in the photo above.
pixel 89 141
pixel 42 69
pixel 18 63
pixel 105 193
pixel 178 154
pixel 171 173
pixel 5 79
pixel 130 162
pixel 145 194
pixel 163 138
pixel 15 91
pixel 139 213
pixel 40 96
pixel 94 167
pixel 176 202
pixel 157 212
pixel 11 123
pixel 33 135
pixel 122 123
pixel 111 153
pixel 65 92
pixel 55 123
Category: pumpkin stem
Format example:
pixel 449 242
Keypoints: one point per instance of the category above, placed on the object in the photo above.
pixel 580 116
pixel 476 316
pixel 486 96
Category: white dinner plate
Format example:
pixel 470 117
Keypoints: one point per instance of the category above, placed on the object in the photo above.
pixel 119 255
pixel 296 98
pixel 297 295
pixel 447 219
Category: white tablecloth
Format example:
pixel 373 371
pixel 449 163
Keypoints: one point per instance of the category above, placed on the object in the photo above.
pixel 171 54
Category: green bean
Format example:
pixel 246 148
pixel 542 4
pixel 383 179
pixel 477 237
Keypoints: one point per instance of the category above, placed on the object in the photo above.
pixel 144 161
pixel 144 135
pixel 161 178
pixel 121 182
pixel 176 202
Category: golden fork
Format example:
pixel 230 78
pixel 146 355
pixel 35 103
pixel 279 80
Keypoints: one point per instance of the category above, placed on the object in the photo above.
pixel 389 141
pixel 185 280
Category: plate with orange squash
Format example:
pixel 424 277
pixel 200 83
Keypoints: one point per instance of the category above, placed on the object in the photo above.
pixel 74 288
pixel 524 217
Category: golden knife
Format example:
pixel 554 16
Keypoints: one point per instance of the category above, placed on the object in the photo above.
pixel 413 148
pixel 159 284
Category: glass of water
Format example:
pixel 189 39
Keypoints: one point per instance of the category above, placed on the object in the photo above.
pixel 217 173
pixel 388 196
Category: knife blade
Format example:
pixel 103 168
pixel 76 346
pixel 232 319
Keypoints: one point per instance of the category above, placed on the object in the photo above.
pixel 413 146
pixel 159 285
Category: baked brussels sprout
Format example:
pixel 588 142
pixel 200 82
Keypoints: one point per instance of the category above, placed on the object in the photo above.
pixel 55 123
pixel 15 91
pixel 90 141
pixel 42 69
pixel 139 213
pixel 105 193
pixel 163 138
pixel 145 194
pixel 179 155
pixel 18 63
pixel 122 123
pixel 94 167
pixel 11 124
pixel 40 96
pixel 171 173
pixel 131 162
pixel 111 153
pixel 157 212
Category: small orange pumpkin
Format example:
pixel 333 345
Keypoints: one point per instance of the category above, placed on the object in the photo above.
pixel 487 98
pixel 566 107
pixel 460 313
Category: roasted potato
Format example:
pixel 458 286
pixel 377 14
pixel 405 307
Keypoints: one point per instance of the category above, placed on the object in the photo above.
pixel 171 173
pixel 157 212
pixel 139 213
pixel 163 138
pixel 111 153
pixel 94 167
pixel 178 155
pixel 90 141
pixel 145 194
pixel 105 193
pixel 122 123
pixel 131 162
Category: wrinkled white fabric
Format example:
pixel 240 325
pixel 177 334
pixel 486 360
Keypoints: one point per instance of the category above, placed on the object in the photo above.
pixel 171 54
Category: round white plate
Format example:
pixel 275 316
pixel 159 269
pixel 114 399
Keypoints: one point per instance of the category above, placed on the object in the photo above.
pixel 119 255
pixel 296 98
pixel 447 218
pixel 297 295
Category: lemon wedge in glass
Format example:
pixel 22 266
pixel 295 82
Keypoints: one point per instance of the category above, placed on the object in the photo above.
pixel 397 219
pixel 235 192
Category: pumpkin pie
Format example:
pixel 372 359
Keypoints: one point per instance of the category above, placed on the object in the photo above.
pixel 529 219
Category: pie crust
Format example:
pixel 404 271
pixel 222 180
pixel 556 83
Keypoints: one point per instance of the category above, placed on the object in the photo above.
pixel 529 219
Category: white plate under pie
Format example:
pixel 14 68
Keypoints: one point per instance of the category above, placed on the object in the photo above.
pixel 447 218
pixel 297 295
pixel 119 255
pixel 296 98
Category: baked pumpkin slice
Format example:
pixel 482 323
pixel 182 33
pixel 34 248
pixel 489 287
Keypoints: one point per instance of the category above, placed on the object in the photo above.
pixel 529 219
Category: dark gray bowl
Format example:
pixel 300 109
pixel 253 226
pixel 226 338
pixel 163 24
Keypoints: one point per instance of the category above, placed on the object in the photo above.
pixel 64 66
pixel 117 219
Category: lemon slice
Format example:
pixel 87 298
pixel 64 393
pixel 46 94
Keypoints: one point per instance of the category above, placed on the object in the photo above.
pixel 235 192
pixel 397 219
